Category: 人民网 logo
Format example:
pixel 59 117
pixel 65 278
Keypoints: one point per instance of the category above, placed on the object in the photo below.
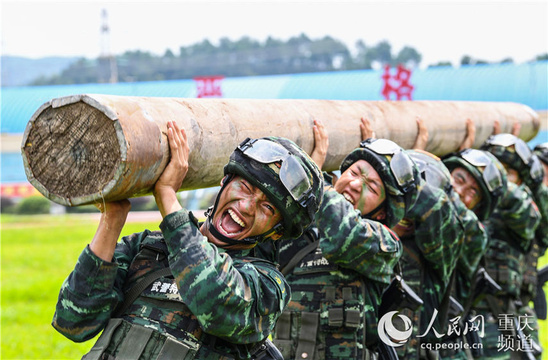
pixel 389 334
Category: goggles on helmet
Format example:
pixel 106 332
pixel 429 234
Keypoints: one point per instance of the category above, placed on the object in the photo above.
pixel 400 164
pixel 523 151
pixel 292 174
pixel 491 175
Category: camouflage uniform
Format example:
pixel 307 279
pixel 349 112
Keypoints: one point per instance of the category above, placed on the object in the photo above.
pixel 476 241
pixel 337 284
pixel 207 302
pixel 538 247
pixel 474 247
pixel 475 235
pixel 540 194
pixel 431 253
pixel 486 170
pixel 511 229
pixel 530 269
pixel 244 297
pixel 468 256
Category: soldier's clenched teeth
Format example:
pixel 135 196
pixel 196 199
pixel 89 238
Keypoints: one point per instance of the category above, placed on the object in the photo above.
pixel 236 218
pixel 347 197
pixel 230 224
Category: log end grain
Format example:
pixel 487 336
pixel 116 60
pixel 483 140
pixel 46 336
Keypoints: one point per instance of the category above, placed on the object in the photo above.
pixel 71 152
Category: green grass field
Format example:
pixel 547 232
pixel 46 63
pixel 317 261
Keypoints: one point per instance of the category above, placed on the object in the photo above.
pixel 37 254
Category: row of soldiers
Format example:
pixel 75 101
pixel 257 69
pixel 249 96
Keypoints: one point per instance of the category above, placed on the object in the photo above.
pixel 472 226
pixel 403 255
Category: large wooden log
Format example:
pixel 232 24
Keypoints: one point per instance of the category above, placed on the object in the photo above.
pixel 87 148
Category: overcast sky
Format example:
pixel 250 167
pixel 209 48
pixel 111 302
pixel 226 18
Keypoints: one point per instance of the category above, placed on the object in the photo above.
pixel 441 31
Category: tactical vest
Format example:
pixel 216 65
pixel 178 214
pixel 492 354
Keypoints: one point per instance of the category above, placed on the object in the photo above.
pixel 503 263
pixel 158 324
pixel 326 317
pixel 530 274
pixel 505 255
pixel 415 275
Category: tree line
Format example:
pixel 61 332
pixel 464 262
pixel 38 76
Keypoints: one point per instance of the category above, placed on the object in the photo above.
pixel 243 57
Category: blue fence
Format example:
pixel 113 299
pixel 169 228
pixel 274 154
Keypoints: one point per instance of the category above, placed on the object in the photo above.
pixel 522 83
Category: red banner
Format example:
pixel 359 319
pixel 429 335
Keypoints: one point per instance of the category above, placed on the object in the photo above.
pixel 209 86
pixel 18 190
pixel 397 84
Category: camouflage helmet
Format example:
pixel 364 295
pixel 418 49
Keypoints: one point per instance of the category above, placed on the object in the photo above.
pixel 286 175
pixel 399 174
pixel 541 150
pixel 515 153
pixel 432 169
pixel 488 173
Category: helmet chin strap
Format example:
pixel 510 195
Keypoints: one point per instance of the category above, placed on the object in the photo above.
pixel 252 240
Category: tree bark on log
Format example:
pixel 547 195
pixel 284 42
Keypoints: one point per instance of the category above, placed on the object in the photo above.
pixel 83 149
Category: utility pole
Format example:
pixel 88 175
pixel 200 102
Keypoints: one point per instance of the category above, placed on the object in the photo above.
pixel 108 69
